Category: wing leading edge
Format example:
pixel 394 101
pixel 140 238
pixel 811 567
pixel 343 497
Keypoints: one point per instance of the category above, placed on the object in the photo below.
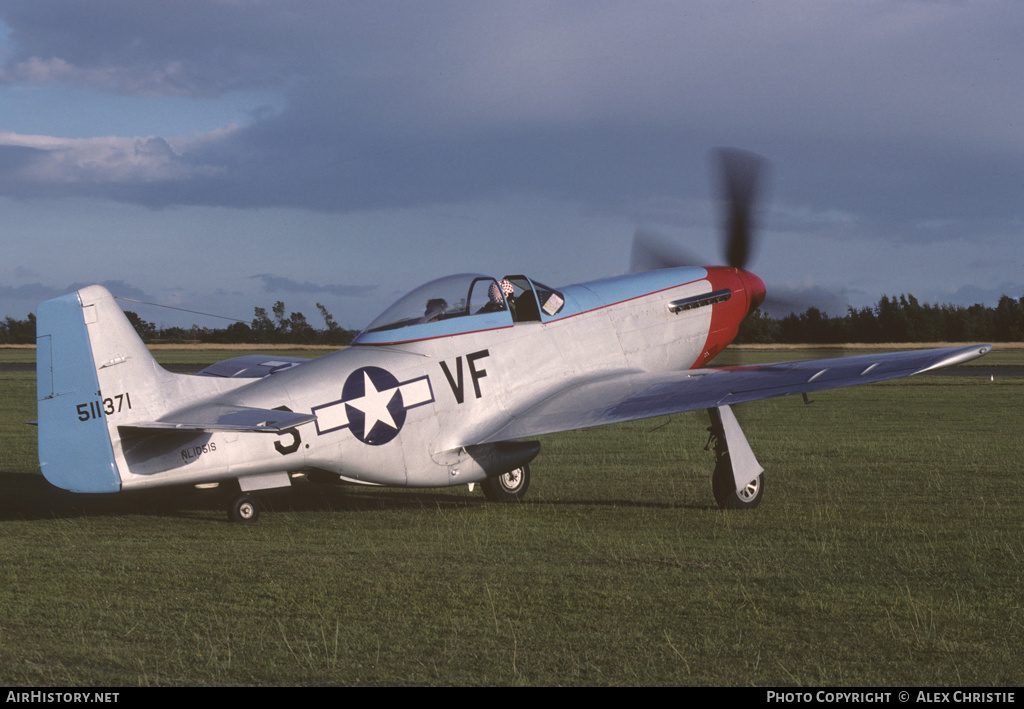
pixel 631 395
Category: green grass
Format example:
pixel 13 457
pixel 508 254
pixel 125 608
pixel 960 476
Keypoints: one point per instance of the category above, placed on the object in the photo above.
pixel 887 551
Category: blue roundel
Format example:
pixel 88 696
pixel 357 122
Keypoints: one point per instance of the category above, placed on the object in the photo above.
pixel 373 403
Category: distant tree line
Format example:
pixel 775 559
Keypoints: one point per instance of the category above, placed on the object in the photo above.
pixel 18 332
pixel 895 319
pixel 292 329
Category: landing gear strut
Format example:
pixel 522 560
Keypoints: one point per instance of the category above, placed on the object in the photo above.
pixel 738 480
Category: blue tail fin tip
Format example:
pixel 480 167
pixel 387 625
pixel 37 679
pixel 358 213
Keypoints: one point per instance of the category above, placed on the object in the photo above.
pixel 75 451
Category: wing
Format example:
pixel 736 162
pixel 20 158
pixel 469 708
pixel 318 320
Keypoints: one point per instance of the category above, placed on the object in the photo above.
pixel 631 395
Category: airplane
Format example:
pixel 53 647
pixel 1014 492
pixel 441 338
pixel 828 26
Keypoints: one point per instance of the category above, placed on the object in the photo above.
pixel 448 386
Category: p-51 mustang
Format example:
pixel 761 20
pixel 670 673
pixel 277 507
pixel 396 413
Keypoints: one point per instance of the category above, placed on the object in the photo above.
pixel 439 390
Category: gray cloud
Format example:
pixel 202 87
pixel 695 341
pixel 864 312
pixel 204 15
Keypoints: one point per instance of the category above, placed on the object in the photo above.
pixel 117 287
pixel 281 284
pixel 192 47
pixel 31 294
pixel 890 110
pixel 885 122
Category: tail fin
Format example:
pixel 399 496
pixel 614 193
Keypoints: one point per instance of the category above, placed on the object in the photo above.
pixel 111 418
pixel 90 365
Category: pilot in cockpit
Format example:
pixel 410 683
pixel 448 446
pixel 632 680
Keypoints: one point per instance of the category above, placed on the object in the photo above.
pixel 497 297
pixel 436 307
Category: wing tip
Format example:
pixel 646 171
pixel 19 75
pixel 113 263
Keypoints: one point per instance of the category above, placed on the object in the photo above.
pixel 957 356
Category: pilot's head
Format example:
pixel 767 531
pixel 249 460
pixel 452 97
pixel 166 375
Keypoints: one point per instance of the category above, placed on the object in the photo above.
pixel 498 292
pixel 435 308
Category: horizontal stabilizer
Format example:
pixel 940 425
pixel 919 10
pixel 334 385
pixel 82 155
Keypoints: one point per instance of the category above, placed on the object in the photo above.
pixel 220 417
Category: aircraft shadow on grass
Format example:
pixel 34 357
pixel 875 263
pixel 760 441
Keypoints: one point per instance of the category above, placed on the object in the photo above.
pixel 31 497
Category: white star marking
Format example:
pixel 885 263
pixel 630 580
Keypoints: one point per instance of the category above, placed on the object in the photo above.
pixel 374 405
pixel 334 415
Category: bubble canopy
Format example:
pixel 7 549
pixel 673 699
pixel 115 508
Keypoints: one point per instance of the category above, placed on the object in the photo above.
pixel 450 305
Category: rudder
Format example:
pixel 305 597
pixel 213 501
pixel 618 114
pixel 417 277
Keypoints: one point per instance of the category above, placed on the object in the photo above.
pixel 75 452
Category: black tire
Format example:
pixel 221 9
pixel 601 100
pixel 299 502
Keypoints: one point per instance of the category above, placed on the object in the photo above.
pixel 725 490
pixel 244 509
pixel 509 487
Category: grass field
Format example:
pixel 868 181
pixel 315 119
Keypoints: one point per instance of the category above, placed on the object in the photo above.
pixel 887 551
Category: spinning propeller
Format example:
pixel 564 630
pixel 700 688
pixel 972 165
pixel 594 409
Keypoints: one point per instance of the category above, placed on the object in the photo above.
pixel 740 176
pixel 741 179
pixel 740 172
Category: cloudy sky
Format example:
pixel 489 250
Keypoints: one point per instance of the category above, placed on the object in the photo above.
pixel 217 155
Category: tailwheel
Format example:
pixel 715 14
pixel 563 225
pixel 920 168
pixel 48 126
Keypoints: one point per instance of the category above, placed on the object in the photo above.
pixel 509 487
pixel 244 508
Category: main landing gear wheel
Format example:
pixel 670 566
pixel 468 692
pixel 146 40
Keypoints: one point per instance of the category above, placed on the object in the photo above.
pixel 244 509
pixel 510 487
pixel 725 490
